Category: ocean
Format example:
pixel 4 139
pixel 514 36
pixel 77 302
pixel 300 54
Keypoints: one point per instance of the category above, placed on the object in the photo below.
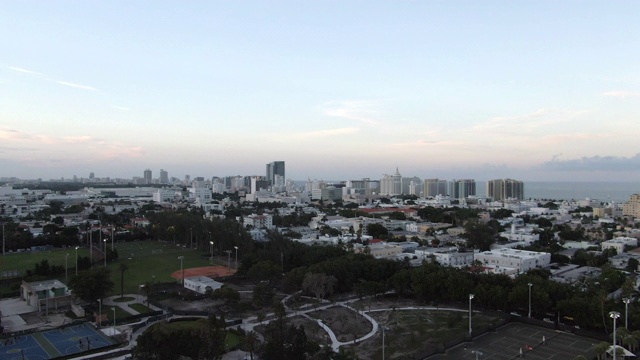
pixel 603 191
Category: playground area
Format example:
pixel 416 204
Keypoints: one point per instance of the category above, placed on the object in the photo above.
pixel 55 343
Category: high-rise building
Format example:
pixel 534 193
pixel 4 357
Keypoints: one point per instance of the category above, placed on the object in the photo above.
pixel 164 176
pixel 147 176
pixel 502 189
pixel 632 207
pixel 275 168
pixel 435 187
pixel 92 175
pixel 461 189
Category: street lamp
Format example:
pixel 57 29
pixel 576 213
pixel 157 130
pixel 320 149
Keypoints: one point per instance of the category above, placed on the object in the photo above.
pixel 530 285
pixel 66 268
pixel 114 320
pixel 100 313
pixel 228 260
pixel 614 315
pixel 383 329
pixel 113 230
pixel 235 247
pixel 211 248
pixel 181 268
pixel 626 302
pixel 77 259
pixel 470 298
pixel 105 252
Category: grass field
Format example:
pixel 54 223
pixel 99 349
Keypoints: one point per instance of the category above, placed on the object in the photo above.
pixel 144 260
pixel 27 260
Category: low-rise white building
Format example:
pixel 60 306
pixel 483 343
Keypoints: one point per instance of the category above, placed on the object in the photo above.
pixel 619 244
pixel 259 221
pixel 201 284
pixel 521 260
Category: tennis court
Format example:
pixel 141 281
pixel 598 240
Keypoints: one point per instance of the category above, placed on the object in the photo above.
pixel 50 344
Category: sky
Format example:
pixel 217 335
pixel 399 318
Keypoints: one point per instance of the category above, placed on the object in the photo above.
pixel 532 90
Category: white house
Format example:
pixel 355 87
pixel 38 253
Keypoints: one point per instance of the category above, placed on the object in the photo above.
pixel 201 284
pixel 619 243
pixel 521 260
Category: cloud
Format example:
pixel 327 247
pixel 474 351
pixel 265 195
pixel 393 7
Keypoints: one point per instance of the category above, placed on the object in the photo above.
pixel 326 133
pixel 77 139
pixel 52 79
pixel 358 110
pixel 540 118
pixel 122 108
pixel 594 163
pixel 77 86
pixel 621 94
pixel 25 71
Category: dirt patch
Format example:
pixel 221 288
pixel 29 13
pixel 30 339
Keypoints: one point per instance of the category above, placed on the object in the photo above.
pixel 348 325
pixel 210 271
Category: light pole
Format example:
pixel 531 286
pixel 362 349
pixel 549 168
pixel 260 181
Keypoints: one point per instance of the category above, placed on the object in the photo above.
pixel 530 285
pixel 191 237
pixel 211 248
pixel 383 333
pixel 105 252
pixel 614 315
pixel 3 238
pixel 228 260
pixel 470 298
pixel 181 268
pixel 113 230
pixel 90 246
pixel 66 268
pixel 77 259
pixel 235 247
pixel 626 302
pixel 100 313
pixel 153 279
pixel 114 320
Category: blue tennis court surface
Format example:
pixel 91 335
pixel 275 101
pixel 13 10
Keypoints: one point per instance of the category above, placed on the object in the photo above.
pixel 49 344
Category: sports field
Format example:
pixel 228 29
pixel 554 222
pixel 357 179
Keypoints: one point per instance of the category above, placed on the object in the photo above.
pixel 27 260
pixel 50 344
pixel 149 261
pixel 507 342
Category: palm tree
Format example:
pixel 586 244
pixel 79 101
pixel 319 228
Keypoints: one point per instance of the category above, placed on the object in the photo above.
pixel 251 341
pixel 123 268
pixel 601 349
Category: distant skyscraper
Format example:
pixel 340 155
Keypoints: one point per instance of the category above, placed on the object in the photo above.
pixel 273 169
pixel 435 187
pixel 147 176
pixel 460 189
pixel 164 176
pixel 502 189
pixel 92 175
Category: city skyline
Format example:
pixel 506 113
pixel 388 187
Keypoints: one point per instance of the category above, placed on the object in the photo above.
pixel 535 91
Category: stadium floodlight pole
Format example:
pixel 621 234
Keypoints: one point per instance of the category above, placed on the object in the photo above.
pixel 530 284
pixel 77 259
pixel 626 302
pixel 228 260
pixel 614 315
pixel 211 248
pixel 105 252
pixel 181 268
pixel 66 268
pixel 471 296
pixel 90 245
pixel 114 320
pixel 100 313
pixel 113 230
pixel 235 247
pixel 383 329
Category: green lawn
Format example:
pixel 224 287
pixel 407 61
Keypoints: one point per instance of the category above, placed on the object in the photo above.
pixel 27 260
pixel 144 259
pixel 141 308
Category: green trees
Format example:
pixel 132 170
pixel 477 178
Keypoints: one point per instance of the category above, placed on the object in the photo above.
pixel 203 340
pixel 479 235
pixel 91 285
pixel 285 341
pixel 377 230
